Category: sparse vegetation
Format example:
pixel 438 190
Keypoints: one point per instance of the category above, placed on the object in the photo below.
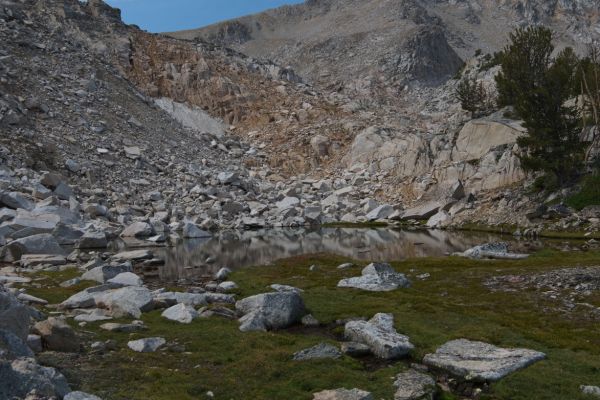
pixel 452 303
pixel 474 96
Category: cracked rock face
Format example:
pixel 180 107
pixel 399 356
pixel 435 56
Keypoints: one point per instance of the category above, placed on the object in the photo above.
pixel 480 362
pixel 380 335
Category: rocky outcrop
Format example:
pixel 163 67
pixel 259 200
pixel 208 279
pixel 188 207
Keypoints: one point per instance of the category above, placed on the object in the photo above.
pixel 480 362
pixel 380 335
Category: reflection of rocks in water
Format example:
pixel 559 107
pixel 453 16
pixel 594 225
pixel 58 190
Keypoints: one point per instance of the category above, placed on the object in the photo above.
pixel 193 259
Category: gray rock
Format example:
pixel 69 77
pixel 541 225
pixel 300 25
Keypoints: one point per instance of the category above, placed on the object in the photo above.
pixel 354 349
pixel 381 212
pixel 422 212
pixel 94 315
pixel 414 385
pixel 180 313
pixel 81 396
pixel 285 288
pixel 14 316
pixel 72 166
pixel 227 178
pixel 24 375
pixel 590 390
pixel 380 335
pixel 377 277
pixel 106 272
pixel 129 301
pixel 192 231
pixel 93 240
pixel 222 274
pixel 343 394
pixel 193 299
pixel 309 320
pixel 67 235
pixel 34 342
pixel 36 244
pixel 478 361
pixel 138 230
pixel 227 286
pixel 57 335
pixel 15 201
pixel 33 260
pixel 147 345
pixel 288 202
pixel 133 255
pixel 63 191
pixel 320 351
pixel 12 347
pixel 270 311
pixel 125 328
pixel 126 279
pixel 498 250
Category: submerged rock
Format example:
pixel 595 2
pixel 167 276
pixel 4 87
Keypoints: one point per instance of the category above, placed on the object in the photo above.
pixel 479 361
pixel 377 277
pixel 380 335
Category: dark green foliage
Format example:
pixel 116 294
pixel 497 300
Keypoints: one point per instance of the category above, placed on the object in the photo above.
pixel 588 195
pixel 473 96
pixel 489 61
pixel 524 63
pixel 539 88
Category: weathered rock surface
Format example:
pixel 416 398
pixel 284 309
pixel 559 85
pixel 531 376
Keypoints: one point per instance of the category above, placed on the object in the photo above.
pixel 270 311
pixel 377 277
pixel 343 394
pixel 478 361
pixel 180 313
pixel 414 385
pixel 77 395
pixel 23 375
pixel 320 351
pixel 146 345
pixel 380 335
pixel 492 250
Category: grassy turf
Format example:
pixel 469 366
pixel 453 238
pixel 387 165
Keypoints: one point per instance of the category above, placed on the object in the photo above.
pixel 451 304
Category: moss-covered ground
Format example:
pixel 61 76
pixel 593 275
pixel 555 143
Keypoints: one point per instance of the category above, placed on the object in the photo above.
pixel 213 355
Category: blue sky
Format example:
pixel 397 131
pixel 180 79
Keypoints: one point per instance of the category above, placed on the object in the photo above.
pixel 173 15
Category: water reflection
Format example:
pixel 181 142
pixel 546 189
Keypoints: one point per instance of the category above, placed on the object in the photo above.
pixel 193 259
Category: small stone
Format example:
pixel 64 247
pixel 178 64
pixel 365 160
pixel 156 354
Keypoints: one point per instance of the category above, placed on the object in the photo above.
pixel 147 345
pixel 309 320
pixel 414 385
pixel 320 351
pixel 222 274
pixel 180 313
pixel 343 394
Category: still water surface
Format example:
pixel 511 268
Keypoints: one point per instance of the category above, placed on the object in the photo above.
pixel 193 259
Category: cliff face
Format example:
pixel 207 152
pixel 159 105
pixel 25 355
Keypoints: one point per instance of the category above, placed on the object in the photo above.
pixel 366 47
